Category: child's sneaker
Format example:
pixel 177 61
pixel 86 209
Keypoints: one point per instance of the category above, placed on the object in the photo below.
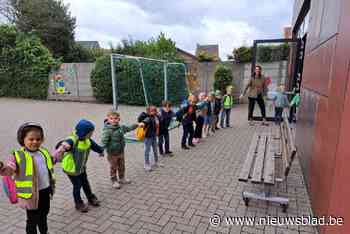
pixel 124 181
pixel 148 167
pixel 94 202
pixel 116 185
pixel 82 207
pixel 158 164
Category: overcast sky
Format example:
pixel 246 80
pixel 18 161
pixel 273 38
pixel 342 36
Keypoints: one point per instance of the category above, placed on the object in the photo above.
pixel 229 23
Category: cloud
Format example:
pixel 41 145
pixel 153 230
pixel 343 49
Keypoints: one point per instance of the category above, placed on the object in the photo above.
pixel 227 23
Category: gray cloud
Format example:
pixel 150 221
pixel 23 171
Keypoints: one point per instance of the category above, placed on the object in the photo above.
pixel 226 22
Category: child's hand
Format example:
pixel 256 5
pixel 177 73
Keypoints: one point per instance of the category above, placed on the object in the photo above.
pixel 101 155
pixel 141 125
pixel 66 146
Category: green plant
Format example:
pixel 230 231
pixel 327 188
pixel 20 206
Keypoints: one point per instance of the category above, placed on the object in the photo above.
pixel 25 65
pixel 265 53
pixel 223 78
pixel 50 20
pixel 129 84
pixel 243 54
pixel 205 57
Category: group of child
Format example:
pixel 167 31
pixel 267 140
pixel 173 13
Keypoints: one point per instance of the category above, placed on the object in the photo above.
pixel 32 165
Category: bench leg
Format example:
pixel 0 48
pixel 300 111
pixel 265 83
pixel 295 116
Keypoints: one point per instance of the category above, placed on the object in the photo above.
pixel 283 201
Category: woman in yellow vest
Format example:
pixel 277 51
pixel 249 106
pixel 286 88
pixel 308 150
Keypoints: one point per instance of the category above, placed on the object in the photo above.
pixel 32 167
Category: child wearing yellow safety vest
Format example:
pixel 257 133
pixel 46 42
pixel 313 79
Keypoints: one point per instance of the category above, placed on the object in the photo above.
pixel 32 168
pixel 227 103
pixel 75 152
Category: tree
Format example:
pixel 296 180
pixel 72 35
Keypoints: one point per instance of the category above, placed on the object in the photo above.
pixel 25 64
pixel 223 77
pixel 157 48
pixel 205 57
pixel 243 54
pixel 50 20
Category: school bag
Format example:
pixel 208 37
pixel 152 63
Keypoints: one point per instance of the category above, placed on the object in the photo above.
pixel 9 187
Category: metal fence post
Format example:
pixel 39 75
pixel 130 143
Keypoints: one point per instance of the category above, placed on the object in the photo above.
pixel 165 81
pixel 114 85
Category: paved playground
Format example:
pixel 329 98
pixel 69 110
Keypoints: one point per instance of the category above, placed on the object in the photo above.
pixel 178 198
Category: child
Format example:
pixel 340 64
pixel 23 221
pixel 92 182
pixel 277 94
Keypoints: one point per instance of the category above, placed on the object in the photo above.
pixel 201 105
pixel 113 141
pixel 294 104
pixel 32 167
pixel 150 121
pixel 166 116
pixel 211 100
pixel 217 108
pixel 280 102
pixel 76 152
pixel 227 105
pixel 187 115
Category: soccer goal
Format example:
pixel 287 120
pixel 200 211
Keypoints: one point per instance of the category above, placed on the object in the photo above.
pixel 147 81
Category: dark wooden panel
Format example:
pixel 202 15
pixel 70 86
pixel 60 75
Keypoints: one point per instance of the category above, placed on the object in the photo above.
pixel 330 19
pixel 318 67
pixel 315 25
pixel 304 138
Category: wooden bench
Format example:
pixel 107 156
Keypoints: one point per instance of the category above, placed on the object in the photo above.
pixel 269 148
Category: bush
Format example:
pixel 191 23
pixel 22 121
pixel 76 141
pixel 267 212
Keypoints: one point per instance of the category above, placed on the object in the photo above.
pixel 129 84
pixel 223 78
pixel 25 65
pixel 265 53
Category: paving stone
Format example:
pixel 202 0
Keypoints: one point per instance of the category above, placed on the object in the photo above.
pixel 178 198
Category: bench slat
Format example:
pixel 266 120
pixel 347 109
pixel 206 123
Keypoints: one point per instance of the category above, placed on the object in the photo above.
pixel 259 161
pixel 290 141
pixel 284 149
pixel 248 163
pixel 269 167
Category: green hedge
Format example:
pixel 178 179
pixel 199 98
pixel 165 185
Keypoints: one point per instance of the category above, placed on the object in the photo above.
pixel 129 83
pixel 25 65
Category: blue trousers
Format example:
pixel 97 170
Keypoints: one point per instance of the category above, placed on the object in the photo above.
pixel 151 142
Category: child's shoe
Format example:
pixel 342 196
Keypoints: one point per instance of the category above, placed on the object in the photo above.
pixel 148 167
pixel 185 147
pixel 116 185
pixel 158 164
pixel 94 201
pixel 82 207
pixel 195 141
pixel 124 181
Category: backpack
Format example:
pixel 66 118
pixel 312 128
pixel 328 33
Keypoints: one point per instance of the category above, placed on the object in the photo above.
pixel 9 187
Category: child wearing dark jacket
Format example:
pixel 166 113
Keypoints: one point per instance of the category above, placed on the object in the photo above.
pixel 165 117
pixel 217 108
pixel 187 115
pixel 150 121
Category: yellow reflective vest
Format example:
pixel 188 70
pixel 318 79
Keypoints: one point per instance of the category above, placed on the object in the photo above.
pixel 74 161
pixel 24 177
